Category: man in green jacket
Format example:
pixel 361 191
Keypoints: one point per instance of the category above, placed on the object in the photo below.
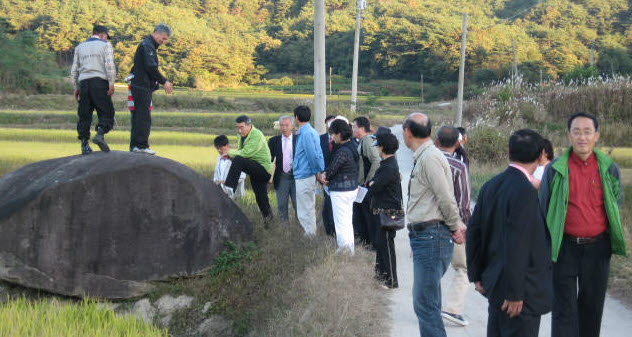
pixel 579 197
pixel 253 158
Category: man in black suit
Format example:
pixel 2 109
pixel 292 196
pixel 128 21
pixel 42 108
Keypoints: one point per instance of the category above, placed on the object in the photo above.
pixel 508 248
pixel 282 150
pixel 327 144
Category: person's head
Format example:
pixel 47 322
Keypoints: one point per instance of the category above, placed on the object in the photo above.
pixel 101 31
pixel 583 133
pixel 340 131
pixel 386 144
pixel 417 129
pixel 547 152
pixel 302 113
pixel 221 144
pixel 448 138
pixel 328 120
pixel 525 146
pixel 361 126
pixel 244 125
pixel 286 124
pixel 463 135
pixel 161 33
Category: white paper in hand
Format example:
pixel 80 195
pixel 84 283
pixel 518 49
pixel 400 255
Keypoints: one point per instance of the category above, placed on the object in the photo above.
pixel 361 194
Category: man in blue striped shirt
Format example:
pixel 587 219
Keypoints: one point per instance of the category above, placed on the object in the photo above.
pixel 308 161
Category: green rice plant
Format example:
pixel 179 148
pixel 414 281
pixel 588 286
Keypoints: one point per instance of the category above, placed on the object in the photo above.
pixel 42 318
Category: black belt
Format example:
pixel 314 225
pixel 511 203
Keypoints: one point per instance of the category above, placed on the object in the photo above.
pixel 584 240
pixel 423 225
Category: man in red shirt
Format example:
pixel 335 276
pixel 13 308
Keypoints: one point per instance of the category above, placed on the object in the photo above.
pixel 579 197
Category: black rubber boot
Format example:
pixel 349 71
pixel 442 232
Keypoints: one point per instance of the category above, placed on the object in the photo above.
pixel 85 147
pixel 99 139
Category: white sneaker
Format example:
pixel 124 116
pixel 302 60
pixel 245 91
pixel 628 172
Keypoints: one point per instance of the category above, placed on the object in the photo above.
pixel 145 150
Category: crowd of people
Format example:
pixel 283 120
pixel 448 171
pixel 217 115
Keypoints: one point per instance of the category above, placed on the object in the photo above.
pixel 539 239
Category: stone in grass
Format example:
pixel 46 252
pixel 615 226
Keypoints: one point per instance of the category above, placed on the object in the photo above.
pixel 106 224
pixel 144 310
pixel 168 305
pixel 216 326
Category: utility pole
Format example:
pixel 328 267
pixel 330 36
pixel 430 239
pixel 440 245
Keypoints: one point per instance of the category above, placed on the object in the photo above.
pixel 592 57
pixel 320 77
pixel 422 88
pixel 330 81
pixel 360 5
pixel 459 104
pixel 514 67
pixel 541 77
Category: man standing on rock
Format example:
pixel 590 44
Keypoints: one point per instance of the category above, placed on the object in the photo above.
pixel 507 244
pixel 433 222
pixel 579 196
pixel 145 79
pixel 253 158
pixel 93 74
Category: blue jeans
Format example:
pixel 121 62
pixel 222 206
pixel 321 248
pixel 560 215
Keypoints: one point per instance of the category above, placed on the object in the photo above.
pixel 432 251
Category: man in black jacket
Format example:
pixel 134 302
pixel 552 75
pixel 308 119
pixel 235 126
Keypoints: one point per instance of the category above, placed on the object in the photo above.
pixel 145 79
pixel 327 146
pixel 282 150
pixel 508 248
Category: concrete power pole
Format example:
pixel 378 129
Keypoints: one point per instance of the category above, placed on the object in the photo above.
pixel 514 66
pixel 422 88
pixel 459 104
pixel 360 5
pixel 320 77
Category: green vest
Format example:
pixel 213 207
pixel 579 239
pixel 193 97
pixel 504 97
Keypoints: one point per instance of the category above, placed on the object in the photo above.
pixel 558 203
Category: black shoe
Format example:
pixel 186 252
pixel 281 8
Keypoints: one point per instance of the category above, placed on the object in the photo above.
pixel 85 147
pixel 100 140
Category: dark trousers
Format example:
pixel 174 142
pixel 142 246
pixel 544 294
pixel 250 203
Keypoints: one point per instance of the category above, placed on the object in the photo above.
pixel 94 95
pixel 259 178
pixel 365 222
pixel 580 279
pixel 328 216
pixel 385 261
pixel 141 118
pixel 285 191
pixel 499 324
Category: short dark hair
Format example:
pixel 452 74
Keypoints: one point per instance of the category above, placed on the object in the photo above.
pixel 243 119
pixel 583 114
pixel 418 130
pixel 548 148
pixel 329 117
pixel 461 130
pixel 525 146
pixel 388 142
pixel 302 113
pixel 448 136
pixel 363 122
pixel 220 140
pixel 341 127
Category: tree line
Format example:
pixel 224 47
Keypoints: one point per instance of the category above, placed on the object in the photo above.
pixel 230 42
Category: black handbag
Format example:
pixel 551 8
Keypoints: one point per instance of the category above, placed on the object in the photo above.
pixel 392 222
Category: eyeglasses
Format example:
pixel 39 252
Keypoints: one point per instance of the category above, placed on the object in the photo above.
pixel 580 133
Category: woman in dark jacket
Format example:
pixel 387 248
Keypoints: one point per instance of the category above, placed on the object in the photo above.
pixel 386 190
pixel 341 179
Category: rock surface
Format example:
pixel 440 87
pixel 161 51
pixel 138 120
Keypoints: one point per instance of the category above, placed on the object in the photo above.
pixel 105 224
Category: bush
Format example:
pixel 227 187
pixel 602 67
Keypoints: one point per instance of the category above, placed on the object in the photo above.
pixel 43 318
pixel 488 144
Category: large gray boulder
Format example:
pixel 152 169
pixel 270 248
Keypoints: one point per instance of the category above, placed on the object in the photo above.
pixel 106 223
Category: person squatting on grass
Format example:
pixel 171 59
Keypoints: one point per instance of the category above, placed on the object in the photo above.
pixel 282 153
pixel 364 221
pixel 93 74
pixel 145 79
pixel 386 188
pixel 579 198
pixel 433 222
pixel 508 251
pixel 253 158
pixel 308 161
pixel 222 167
pixel 341 179
pixel 448 141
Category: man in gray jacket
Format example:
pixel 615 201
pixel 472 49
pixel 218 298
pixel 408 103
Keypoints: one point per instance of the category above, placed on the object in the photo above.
pixel 93 74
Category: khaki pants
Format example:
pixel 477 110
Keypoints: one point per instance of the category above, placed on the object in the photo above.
pixel 455 302
pixel 306 204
